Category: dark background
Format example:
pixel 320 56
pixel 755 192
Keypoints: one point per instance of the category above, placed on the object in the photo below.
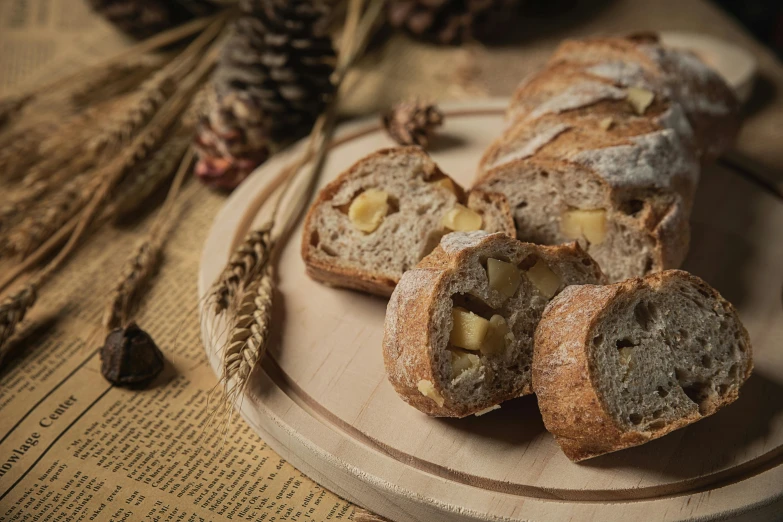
pixel 763 18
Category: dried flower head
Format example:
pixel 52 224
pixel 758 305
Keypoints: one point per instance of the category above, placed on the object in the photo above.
pixel 130 357
pixel 412 122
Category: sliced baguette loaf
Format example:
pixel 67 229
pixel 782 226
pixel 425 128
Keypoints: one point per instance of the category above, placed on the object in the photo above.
pixel 458 335
pixel 604 146
pixel 384 214
pixel 616 366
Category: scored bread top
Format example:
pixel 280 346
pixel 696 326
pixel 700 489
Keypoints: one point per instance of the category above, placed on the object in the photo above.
pixel 674 74
pixel 618 365
pixel 336 252
pixel 417 349
pixel 616 125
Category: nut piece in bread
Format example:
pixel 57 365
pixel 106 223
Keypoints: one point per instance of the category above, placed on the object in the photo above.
pixel 390 209
pixel 461 219
pixel 446 324
pixel 616 366
pixel 368 210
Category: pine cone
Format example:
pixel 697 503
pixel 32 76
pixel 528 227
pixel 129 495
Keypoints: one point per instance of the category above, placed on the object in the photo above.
pixel 450 21
pixel 144 18
pixel 231 140
pixel 281 57
pixel 412 122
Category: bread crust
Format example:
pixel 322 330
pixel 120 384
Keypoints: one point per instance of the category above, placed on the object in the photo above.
pixel 563 380
pixel 409 350
pixel 367 280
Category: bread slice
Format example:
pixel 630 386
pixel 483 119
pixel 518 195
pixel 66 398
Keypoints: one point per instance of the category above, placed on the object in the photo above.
pixel 616 366
pixel 358 249
pixel 498 288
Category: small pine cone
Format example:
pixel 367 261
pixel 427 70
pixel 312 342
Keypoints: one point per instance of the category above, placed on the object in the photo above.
pixel 451 21
pixel 412 122
pixel 232 139
pixel 282 58
pixel 144 18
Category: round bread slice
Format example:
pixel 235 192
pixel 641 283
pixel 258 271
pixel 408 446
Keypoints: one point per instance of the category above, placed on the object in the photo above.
pixel 459 327
pixel 385 213
pixel 616 366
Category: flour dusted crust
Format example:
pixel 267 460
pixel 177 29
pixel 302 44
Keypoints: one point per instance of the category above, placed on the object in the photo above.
pixel 574 140
pixel 412 231
pixel 565 371
pixel 675 75
pixel 416 330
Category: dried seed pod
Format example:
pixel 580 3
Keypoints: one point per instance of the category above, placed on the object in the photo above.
pixel 412 122
pixel 130 357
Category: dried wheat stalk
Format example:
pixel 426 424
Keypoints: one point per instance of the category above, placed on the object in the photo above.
pixel 134 191
pixel 13 310
pixel 135 277
pixel 50 215
pixel 244 288
pixel 141 147
pixel 152 94
pixel 249 333
pixel 19 149
pixel 114 80
pixel 247 261
pixel 194 65
pixel 10 107
pixel 31 195
pixel 143 264
pixel 41 153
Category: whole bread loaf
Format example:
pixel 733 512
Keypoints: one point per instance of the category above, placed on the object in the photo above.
pixel 604 146
pixel 384 214
pixel 458 336
pixel 616 366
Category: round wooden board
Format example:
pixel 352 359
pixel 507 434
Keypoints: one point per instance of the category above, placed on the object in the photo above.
pixel 322 401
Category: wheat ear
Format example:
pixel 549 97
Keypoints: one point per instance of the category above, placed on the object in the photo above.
pixel 19 148
pixel 249 319
pixel 10 107
pixel 136 275
pixel 249 334
pixel 245 264
pixel 140 148
pixel 114 80
pixel 50 215
pixel 13 310
pixel 152 94
pixel 142 265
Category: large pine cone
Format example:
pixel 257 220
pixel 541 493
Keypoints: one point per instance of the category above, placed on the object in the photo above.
pixel 451 21
pixel 271 83
pixel 232 139
pixel 144 18
pixel 281 57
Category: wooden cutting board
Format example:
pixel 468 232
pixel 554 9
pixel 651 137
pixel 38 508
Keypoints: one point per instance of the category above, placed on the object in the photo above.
pixel 322 401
